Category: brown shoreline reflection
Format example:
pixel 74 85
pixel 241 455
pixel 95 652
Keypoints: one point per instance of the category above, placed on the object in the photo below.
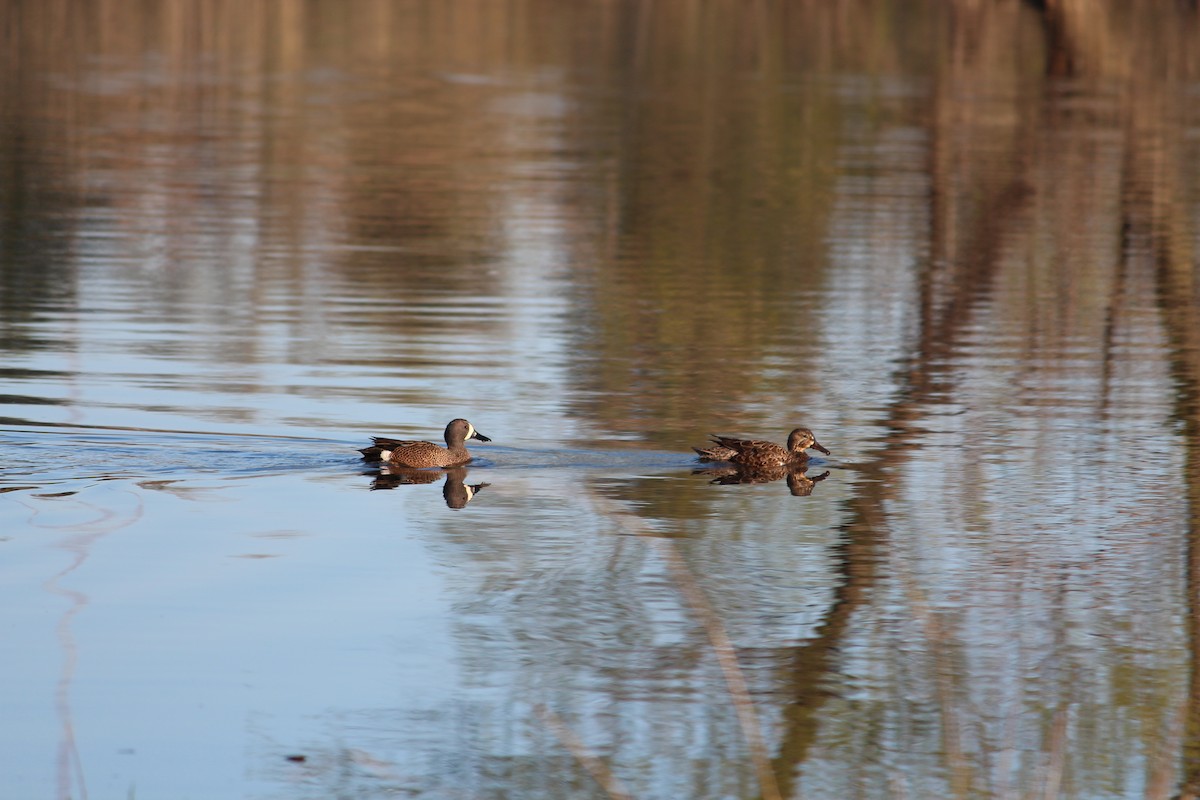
pixel 798 482
pixel 455 490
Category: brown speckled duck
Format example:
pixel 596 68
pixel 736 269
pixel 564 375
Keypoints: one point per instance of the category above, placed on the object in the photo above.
pixel 418 455
pixel 757 453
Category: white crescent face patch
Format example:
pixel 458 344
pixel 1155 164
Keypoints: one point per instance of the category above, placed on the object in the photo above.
pixel 470 430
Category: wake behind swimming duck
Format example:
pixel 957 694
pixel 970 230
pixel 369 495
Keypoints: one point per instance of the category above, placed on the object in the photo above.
pixel 418 455
pixel 759 453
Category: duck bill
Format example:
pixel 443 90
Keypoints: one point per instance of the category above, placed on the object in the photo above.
pixel 482 438
pixel 818 447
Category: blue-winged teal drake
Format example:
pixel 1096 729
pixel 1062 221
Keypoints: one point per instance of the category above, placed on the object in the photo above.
pixel 408 453
pixel 757 453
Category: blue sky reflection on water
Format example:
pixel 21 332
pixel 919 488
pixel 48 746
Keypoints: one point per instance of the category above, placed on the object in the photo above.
pixel 600 233
pixel 190 616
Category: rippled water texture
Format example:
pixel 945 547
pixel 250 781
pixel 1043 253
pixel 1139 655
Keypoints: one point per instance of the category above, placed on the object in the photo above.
pixel 957 240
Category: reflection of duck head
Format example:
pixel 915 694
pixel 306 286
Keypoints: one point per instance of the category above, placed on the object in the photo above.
pixel 759 453
pixel 455 490
pixel 799 484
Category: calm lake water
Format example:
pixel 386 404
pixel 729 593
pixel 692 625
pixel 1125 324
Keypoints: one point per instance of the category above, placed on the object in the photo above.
pixel 957 240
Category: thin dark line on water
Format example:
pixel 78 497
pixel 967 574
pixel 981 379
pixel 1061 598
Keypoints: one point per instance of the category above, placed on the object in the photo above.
pixel 593 764
pixel 69 769
pixel 727 659
pixel 133 429
pixel 718 638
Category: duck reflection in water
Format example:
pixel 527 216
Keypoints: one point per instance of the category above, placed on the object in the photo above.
pixel 455 491
pixel 799 484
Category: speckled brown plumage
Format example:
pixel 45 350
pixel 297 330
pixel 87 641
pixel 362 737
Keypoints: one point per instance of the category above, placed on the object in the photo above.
pixel 759 453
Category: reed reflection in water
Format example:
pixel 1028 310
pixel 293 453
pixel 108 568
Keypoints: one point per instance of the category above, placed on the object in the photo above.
pixel 956 240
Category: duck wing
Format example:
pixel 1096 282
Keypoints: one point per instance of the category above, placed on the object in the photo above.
pixel 733 443
pixel 381 443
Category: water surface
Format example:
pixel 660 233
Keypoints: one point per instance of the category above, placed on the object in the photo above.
pixel 956 242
